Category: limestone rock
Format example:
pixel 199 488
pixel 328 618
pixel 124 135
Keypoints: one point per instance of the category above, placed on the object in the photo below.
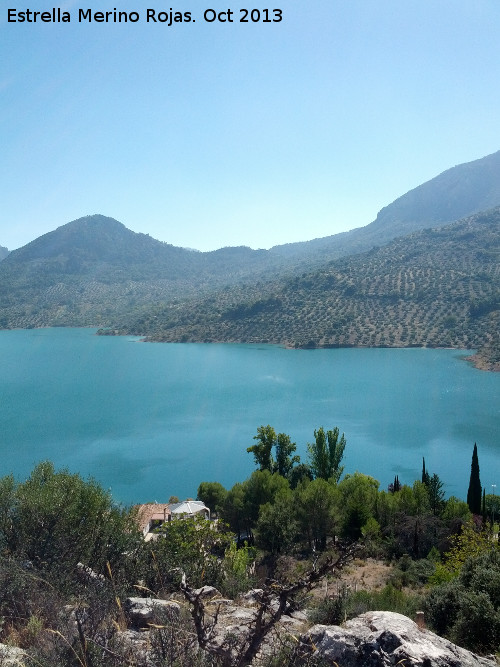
pixel 142 611
pixel 383 638
pixel 11 656
pixel 207 592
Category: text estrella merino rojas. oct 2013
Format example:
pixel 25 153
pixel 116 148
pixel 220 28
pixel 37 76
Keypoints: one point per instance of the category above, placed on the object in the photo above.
pixel 57 15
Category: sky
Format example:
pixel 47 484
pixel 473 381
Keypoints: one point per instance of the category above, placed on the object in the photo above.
pixel 210 134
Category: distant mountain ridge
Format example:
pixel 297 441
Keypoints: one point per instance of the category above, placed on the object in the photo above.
pixel 3 252
pixel 95 272
pixel 438 287
pixel 456 193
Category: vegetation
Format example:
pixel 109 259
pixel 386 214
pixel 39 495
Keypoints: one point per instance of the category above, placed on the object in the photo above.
pixel 436 288
pixel 69 557
pixel 474 491
pixel 326 454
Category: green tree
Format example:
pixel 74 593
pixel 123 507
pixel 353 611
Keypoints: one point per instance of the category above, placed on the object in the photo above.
pixel 474 491
pixel 325 454
pixel 284 461
pixel 212 494
pixel 467 607
pixel 454 508
pixel 469 543
pixel 358 502
pixel 233 510
pixel 262 450
pixel 425 474
pixel 7 507
pixel 194 546
pixel 300 472
pixel 436 494
pixel 395 486
pixel 236 567
pixel 61 520
pixel 260 488
pixel 277 526
pixel 317 505
pixel 267 440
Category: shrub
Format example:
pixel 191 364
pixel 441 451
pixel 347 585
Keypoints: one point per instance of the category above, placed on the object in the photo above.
pixel 477 624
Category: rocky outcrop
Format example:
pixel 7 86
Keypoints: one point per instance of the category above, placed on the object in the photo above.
pixel 11 656
pixel 143 611
pixel 383 639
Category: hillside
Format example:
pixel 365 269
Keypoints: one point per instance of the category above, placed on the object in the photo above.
pixel 93 270
pixel 456 193
pixel 96 272
pixel 3 253
pixel 438 287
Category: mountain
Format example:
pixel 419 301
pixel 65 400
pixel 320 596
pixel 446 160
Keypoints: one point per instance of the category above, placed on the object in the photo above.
pixel 94 270
pixel 3 253
pixel 456 193
pixel 437 287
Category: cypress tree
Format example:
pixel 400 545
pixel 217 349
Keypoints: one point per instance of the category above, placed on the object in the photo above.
pixel 425 474
pixel 474 492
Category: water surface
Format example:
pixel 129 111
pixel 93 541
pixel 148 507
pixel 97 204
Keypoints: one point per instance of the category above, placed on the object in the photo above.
pixel 153 420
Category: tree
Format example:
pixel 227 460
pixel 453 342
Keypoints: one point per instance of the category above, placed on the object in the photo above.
pixel 61 519
pixel 395 486
pixel 277 527
pixel 212 494
pixel 260 488
pixel 284 461
pixel 467 607
pixel 474 491
pixel 266 440
pixel 425 474
pixel 193 545
pixel 455 508
pixel 469 543
pixel 326 453
pixel 233 509
pixel 359 495
pixel 300 472
pixel 436 494
pixel 316 503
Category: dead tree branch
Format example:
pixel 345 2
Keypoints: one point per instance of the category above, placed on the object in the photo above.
pixel 275 600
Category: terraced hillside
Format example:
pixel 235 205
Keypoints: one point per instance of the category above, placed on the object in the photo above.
pixel 438 287
pixel 94 270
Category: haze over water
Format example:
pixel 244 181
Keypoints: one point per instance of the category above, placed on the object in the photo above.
pixel 154 420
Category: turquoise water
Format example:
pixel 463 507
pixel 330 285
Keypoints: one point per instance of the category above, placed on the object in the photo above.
pixel 153 420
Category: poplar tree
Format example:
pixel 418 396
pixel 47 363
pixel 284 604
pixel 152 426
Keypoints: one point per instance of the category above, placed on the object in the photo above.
pixel 474 492
pixel 325 454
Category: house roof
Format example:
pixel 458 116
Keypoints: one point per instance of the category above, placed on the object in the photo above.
pixel 151 511
pixel 188 507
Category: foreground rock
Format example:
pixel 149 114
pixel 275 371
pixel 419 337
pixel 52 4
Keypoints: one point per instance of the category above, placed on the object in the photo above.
pixel 11 656
pixel 383 638
pixel 143 611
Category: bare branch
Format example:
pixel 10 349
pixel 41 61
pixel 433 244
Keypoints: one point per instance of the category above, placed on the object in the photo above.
pixel 275 600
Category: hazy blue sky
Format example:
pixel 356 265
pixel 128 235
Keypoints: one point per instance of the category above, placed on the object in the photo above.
pixel 205 135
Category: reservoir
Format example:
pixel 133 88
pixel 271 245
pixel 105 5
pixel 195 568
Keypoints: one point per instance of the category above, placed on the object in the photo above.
pixel 149 421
